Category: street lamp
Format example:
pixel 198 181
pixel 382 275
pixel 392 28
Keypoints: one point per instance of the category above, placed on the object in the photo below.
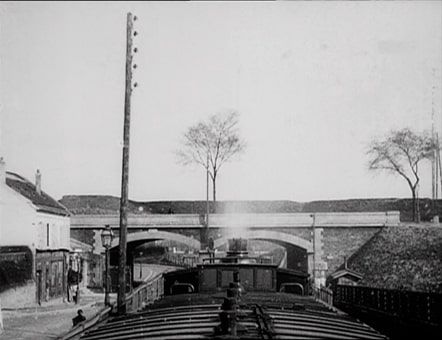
pixel 106 240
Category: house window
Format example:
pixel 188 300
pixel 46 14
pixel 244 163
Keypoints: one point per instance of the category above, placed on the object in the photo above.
pixel 47 234
pixel 41 235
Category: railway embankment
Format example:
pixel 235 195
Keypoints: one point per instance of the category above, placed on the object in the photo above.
pixel 405 257
pixel 102 204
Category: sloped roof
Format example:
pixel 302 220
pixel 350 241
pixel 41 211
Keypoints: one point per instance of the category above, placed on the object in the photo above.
pixel 346 273
pixel 42 200
pixel 76 244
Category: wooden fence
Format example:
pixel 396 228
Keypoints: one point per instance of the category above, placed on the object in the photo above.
pixel 140 297
pixel 323 294
pixel 145 294
pixel 182 260
pixel 404 305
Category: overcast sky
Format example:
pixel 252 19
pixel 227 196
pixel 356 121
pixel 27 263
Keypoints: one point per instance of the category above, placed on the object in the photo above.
pixel 313 82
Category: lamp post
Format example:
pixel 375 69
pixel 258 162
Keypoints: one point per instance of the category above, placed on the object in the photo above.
pixel 106 239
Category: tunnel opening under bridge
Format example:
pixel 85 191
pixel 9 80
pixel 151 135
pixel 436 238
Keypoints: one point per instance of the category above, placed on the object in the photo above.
pixel 137 239
pixel 299 251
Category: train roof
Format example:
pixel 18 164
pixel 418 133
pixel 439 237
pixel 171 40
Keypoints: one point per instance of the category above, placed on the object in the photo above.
pixel 261 315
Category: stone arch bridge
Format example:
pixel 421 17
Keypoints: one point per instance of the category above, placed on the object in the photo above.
pixel 316 243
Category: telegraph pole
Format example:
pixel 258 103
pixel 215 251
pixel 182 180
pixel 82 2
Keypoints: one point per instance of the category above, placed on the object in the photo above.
pixel 207 192
pixel 435 164
pixel 313 216
pixel 434 160
pixel 121 300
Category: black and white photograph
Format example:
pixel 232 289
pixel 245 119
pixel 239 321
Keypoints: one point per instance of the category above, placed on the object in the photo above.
pixel 220 170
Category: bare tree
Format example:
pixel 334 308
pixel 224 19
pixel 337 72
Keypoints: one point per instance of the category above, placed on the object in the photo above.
pixel 212 143
pixel 400 152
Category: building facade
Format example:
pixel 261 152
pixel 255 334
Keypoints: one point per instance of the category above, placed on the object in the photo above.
pixel 34 242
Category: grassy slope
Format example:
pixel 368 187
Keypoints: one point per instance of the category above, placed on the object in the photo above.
pixel 96 204
pixel 405 257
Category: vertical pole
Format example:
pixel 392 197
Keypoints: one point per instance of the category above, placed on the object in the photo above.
pixel 440 168
pixel 107 286
pixel 435 160
pixel 314 248
pixel 1 318
pixel 418 212
pixel 78 280
pixel 125 174
pixel 436 180
pixel 433 173
pixel 207 192
pixel 204 233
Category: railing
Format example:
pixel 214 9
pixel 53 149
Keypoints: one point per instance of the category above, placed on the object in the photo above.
pixel 292 287
pixel 256 220
pixel 323 294
pixel 77 331
pixel 145 294
pixel 142 296
pixel 182 260
pixel 405 305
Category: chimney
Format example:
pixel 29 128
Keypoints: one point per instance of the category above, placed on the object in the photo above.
pixel 38 181
pixel 2 170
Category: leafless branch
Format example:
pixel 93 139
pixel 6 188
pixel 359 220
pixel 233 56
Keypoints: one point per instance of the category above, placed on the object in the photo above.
pixel 401 152
pixel 217 138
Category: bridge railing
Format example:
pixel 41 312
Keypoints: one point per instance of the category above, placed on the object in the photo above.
pixel 255 220
pixel 182 260
pixel 323 294
pixel 405 305
pixel 145 294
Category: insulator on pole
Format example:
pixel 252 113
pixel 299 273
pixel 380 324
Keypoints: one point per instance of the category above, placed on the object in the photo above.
pixel 135 50
pixel 135 17
pixel 135 33
pixel 135 84
pixel 135 66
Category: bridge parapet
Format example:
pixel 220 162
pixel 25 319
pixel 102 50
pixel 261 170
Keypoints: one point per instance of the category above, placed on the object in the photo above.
pixel 354 219
pixel 260 220
pixel 341 219
pixel 137 221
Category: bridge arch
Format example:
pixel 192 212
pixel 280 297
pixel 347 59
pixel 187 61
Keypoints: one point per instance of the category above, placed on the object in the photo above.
pixel 146 236
pixel 277 236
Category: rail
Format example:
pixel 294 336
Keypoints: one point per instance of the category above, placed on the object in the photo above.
pixel 406 305
pixel 77 331
pixel 145 294
pixel 140 297
pixel 323 294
